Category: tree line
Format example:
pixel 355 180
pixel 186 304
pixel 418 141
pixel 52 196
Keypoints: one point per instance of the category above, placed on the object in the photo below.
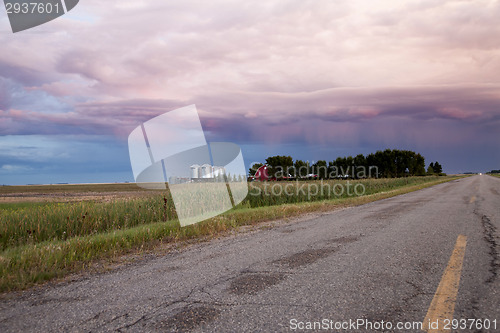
pixel 389 163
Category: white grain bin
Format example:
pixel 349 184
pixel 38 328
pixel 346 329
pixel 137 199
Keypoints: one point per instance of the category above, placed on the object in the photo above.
pixel 195 171
pixel 206 171
pixel 218 171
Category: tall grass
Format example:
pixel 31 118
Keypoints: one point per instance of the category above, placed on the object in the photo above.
pixel 61 221
pixel 278 193
pixel 41 242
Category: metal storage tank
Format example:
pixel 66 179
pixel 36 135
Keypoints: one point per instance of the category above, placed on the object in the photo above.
pixel 195 171
pixel 206 171
pixel 218 171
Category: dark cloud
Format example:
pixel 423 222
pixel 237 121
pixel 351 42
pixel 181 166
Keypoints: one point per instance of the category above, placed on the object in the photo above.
pixel 230 118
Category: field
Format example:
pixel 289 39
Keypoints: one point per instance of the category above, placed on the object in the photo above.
pixel 53 230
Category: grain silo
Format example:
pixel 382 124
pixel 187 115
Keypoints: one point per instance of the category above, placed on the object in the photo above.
pixel 195 171
pixel 206 171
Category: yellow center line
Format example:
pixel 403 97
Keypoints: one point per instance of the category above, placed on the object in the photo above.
pixel 443 304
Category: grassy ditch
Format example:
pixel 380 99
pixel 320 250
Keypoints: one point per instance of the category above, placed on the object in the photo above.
pixel 47 241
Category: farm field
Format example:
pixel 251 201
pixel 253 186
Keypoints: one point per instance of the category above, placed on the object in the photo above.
pixel 49 231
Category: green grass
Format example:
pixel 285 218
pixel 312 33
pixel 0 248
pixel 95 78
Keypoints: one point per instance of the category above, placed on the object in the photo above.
pixel 52 240
pixel 60 221
pixel 20 205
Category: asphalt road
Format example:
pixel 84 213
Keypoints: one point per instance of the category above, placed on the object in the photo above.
pixel 382 261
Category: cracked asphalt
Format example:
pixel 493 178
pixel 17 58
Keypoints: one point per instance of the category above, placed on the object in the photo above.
pixel 379 261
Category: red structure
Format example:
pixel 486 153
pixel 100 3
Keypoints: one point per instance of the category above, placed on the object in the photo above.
pixel 261 174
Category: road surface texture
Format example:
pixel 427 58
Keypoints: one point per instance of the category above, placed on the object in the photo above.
pixel 382 261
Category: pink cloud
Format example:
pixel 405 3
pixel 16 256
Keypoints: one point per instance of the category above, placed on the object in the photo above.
pixel 277 71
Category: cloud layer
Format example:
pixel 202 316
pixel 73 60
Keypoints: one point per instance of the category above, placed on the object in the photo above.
pixel 378 73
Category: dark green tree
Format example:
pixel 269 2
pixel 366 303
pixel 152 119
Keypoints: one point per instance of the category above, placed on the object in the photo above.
pixel 387 163
pixel 419 165
pixel 360 166
pixel 320 168
pixel 279 166
pixel 300 168
pixel 438 168
pixel 253 169
pixel 341 166
pixel 430 169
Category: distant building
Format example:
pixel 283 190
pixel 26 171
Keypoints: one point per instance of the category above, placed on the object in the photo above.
pixel 178 180
pixel 261 173
pixel 195 171
pixel 207 172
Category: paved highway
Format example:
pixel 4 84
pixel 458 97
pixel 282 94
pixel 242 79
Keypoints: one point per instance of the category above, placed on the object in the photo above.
pixel 429 254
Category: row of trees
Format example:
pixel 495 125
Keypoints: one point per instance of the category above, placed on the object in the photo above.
pixel 435 168
pixel 388 163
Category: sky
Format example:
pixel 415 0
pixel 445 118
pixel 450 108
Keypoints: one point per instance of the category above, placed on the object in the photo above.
pixel 311 79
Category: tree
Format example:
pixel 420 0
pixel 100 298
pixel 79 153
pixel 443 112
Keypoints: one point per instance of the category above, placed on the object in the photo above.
pixel 430 169
pixel 387 163
pixel 419 165
pixel 340 166
pixel 360 166
pixel 438 168
pixel 279 165
pixel 300 168
pixel 332 170
pixel 253 169
pixel 373 167
pixel 321 169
